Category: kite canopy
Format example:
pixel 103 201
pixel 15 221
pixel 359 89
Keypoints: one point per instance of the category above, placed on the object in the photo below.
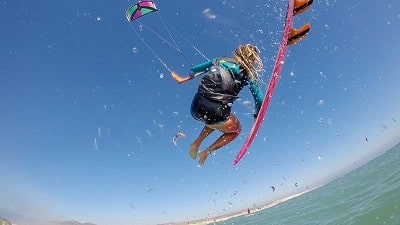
pixel 140 9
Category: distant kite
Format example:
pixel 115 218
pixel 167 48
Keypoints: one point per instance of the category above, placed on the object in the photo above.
pixel 273 188
pixel 177 135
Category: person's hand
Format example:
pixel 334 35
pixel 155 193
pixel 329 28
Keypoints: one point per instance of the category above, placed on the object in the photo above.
pixel 176 77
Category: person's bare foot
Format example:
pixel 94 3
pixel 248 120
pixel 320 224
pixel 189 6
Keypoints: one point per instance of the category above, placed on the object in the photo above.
pixel 203 156
pixel 193 151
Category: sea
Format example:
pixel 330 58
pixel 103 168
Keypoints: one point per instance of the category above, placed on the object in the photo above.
pixel 369 195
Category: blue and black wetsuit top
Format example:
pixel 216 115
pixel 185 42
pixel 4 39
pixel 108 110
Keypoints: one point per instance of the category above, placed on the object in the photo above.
pixel 223 79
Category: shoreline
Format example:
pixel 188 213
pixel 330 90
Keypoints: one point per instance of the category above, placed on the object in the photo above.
pixel 248 211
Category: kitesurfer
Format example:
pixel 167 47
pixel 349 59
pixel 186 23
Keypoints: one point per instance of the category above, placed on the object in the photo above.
pixel 223 79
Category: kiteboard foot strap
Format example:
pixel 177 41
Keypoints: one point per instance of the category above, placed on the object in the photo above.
pixel 301 6
pixel 297 35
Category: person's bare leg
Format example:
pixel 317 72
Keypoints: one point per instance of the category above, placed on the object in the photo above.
pixel 194 147
pixel 231 129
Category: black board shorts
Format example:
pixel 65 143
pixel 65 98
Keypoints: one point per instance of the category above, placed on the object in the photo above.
pixel 208 111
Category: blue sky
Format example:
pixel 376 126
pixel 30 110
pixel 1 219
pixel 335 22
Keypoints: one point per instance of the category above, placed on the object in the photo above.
pixel 87 113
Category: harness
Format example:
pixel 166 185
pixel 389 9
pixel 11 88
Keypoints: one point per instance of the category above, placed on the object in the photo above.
pixel 223 81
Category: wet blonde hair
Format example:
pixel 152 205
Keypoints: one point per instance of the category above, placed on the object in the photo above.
pixel 248 57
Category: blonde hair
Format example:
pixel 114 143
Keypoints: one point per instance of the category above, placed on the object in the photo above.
pixel 248 57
